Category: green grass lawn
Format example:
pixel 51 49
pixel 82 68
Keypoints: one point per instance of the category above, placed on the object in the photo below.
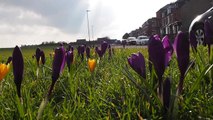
pixel 113 91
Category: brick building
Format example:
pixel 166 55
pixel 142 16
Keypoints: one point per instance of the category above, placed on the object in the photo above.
pixel 173 17
pixel 178 15
pixel 150 27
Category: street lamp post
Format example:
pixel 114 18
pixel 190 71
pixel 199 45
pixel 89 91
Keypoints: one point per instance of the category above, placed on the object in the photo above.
pixel 88 24
pixel 92 33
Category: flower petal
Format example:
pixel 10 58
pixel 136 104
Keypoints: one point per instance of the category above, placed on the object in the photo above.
pixel 18 68
pixel 157 56
pixel 168 50
pixel 181 46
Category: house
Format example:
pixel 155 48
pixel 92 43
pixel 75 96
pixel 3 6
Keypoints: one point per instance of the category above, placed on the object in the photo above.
pixel 179 15
pixel 150 27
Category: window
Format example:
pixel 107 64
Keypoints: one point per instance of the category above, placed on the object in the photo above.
pixel 169 10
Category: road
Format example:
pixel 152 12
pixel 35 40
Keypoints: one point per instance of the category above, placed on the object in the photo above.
pixel 129 46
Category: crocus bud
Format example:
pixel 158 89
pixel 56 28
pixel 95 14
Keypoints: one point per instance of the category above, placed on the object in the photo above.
pixel 88 52
pixel 98 51
pixel 181 46
pixel 38 50
pixel 43 59
pixel 137 62
pixel 168 50
pixel 157 58
pixel 166 93
pixel 18 68
pixel 9 60
pixel 58 63
pixel 104 46
pixel 81 50
pixel 69 59
pixel 91 64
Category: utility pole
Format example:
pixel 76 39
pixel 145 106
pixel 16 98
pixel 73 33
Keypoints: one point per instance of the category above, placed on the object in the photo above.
pixel 92 33
pixel 88 24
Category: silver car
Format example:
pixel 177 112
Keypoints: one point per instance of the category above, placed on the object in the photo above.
pixel 197 25
pixel 142 40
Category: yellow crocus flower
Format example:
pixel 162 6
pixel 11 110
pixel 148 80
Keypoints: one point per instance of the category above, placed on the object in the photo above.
pixel 4 69
pixel 91 64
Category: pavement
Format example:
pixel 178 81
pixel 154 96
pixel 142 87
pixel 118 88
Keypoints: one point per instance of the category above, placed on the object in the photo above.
pixel 130 46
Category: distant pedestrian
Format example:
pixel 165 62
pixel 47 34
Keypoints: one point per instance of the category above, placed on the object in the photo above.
pixel 124 43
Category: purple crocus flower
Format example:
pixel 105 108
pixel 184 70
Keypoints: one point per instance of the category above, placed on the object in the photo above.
pixel 18 68
pixel 88 52
pixel 42 55
pixel 104 46
pixel 181 46
pixel 157 58
pixel 58 63
pixel 38 51
pixel 137 62
pixel 69 59
pixel 9 60
pixel 57 66
pixel 157 37
pixel 168 49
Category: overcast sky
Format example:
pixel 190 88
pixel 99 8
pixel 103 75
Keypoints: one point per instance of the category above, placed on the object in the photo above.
pixel 24 22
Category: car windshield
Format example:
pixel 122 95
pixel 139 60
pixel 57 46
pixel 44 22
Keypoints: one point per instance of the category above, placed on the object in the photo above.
pixel 143 37
pixel 131 38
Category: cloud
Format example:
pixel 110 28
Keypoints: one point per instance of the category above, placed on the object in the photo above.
pixel 32 22
pixel 27 35
pixel 66 15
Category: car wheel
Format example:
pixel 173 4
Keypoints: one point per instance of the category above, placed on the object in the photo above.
pixel 199 34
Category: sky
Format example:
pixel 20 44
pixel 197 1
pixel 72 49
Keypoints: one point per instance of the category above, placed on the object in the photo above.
pixel 31 22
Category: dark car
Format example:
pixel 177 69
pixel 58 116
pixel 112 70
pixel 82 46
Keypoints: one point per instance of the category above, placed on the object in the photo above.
pixel 197 25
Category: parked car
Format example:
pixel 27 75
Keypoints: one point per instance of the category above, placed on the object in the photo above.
pixel 142 40
pixel 131 40
pixel 197 25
